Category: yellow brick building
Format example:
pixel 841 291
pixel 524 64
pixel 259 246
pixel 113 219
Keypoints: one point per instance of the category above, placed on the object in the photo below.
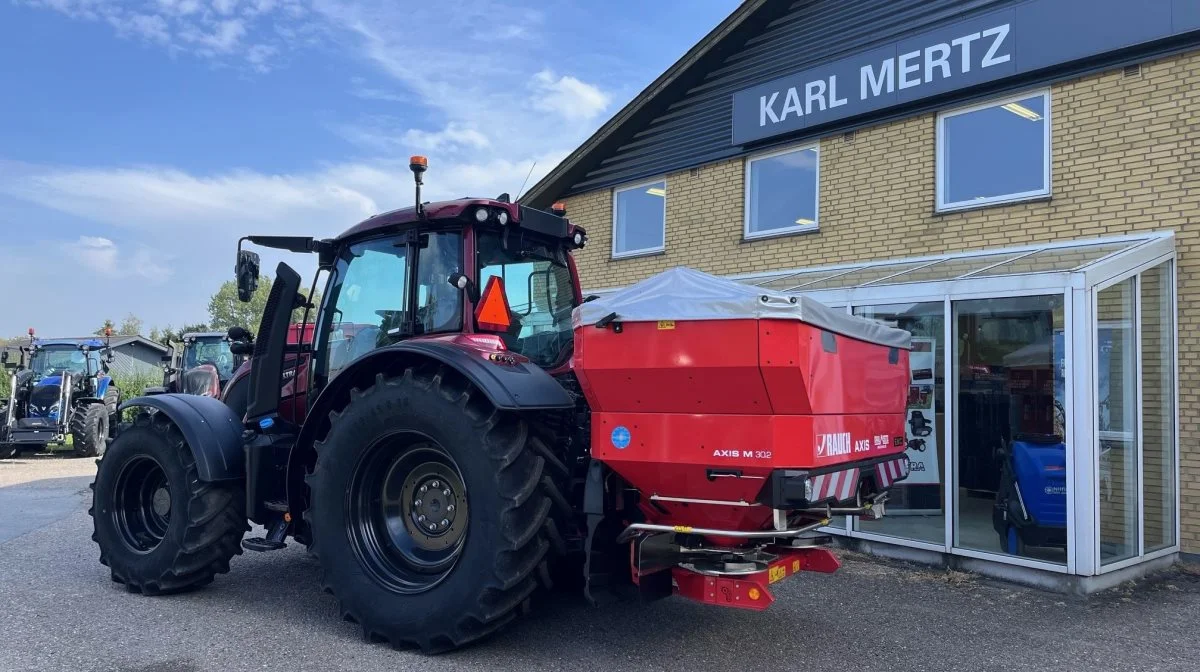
pixel 1113 220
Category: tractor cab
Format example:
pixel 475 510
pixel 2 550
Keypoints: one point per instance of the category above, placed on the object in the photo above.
pixel 209 349
pixel 489 275
pixel 204 363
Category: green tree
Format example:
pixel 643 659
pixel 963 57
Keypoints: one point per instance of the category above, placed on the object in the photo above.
pixel 130 326
pixel 225 310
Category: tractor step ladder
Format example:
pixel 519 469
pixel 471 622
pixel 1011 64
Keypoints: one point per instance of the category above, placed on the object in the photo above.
pixel 272 542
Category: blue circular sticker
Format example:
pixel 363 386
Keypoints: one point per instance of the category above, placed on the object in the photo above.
pixel 620 437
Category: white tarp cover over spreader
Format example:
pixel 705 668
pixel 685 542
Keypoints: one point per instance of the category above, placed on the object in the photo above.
pixel 687 294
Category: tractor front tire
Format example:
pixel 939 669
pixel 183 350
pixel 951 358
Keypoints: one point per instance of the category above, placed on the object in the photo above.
pixel 429 511
pixel 112 402
pixel 9 451
pixel 159 527
pixel 89 430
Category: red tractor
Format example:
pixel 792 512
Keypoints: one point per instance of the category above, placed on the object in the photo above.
pixel 464 427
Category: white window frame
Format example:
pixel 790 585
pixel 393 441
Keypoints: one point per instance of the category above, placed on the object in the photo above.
pixel 943 206
pixel 646 251
pixel 747 234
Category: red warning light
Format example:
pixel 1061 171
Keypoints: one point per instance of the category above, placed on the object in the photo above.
pixel 491 313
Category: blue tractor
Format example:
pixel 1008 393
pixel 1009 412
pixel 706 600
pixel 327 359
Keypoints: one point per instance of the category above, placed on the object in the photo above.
pixel 60 388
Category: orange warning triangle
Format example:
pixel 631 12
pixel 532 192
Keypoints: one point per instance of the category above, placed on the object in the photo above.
pixel 491 313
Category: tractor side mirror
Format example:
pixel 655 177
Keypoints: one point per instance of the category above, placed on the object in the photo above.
pixel 241 348
pixel 239 334
pixel 464 283
pixel 246 270
pixel 4 357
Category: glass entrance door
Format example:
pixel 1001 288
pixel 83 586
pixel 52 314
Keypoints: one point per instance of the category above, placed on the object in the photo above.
pixel 915 508
pixel 1010 450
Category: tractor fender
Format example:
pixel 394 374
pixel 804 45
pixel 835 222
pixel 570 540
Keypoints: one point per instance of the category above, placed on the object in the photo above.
pixel 511 387
pixel 212 431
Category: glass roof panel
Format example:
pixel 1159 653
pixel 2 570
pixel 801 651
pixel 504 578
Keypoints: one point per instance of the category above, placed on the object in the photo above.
pixel 762 280
pixel 863 276
pixel 798 279
pixel 1078 257
pixel 1061 259
pixel 949 269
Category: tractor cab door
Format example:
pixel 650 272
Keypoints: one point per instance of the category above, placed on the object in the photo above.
pixel 385 290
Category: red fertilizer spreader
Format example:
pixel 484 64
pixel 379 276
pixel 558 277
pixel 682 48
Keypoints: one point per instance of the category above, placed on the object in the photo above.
pixel 745 419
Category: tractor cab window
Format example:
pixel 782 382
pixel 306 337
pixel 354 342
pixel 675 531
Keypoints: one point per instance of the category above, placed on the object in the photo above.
pixel 51 361
pixel 370 295
pixel 214 351
pixel 537 284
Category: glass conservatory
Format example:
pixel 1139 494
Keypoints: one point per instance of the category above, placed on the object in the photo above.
pixel 1042 414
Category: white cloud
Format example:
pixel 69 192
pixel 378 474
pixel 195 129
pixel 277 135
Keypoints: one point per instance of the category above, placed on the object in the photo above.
pixel 102 256
pixel 150 27
pixel 215 29
pixel 453 135
pixel 222 38
pixel 96 253
pixel 567 96
pixel 259 57
pixel 180 7
pixel 368 93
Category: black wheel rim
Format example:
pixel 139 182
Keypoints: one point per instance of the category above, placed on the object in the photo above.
pixel 407 513
pixel 142 504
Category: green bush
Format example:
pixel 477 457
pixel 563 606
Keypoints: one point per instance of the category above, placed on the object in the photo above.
pixel 132 386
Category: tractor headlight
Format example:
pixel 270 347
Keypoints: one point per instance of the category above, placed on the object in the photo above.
pixel 54 411
pixel 502 217
pixel 481 215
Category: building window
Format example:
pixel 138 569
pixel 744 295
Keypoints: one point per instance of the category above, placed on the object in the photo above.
pixel 998 152
pixel 781 192
pixel 639 219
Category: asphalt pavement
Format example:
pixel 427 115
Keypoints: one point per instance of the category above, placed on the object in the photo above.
pixel 60 611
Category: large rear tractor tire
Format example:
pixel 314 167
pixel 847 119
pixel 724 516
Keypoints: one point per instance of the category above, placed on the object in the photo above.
pixel 429 512
pixel 89 430
pixel 160 528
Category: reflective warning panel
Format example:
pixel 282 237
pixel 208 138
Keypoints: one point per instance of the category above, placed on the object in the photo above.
pixel 492 312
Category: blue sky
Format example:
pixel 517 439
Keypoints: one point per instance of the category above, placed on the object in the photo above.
pixel 140 139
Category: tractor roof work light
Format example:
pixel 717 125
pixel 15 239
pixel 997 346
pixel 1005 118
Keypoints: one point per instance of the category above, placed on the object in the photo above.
pixel 559 208
pixel 492 312
pixel 418 165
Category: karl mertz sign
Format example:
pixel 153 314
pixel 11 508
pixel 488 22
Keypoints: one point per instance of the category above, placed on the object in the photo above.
pixel 1024 38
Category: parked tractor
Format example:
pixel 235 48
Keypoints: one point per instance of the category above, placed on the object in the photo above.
pixel 468 428
pixel 204 362
pixel 60 388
